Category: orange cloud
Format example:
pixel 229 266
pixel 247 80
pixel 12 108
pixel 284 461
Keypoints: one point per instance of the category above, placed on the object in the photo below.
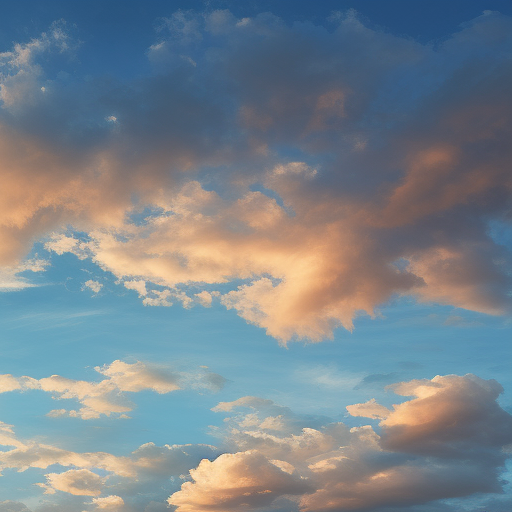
pixel 401 160
pixel 447 442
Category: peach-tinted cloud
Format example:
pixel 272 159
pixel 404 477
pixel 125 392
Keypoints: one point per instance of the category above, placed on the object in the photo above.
pixel 79 482
pixel 402 160
pixel 108 397
pixel 111 503
pixel 464 409
pixel 145 471
pixel 447 442
pixel 370 409
pixel 233 481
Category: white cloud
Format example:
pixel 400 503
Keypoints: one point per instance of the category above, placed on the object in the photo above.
pixel 370 409
pixel 444 442
pixel 138 285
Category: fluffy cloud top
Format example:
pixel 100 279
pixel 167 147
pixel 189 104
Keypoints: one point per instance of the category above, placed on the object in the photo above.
pixel 108 396
pixel 403 160
pixel 108 503
pixel 233 481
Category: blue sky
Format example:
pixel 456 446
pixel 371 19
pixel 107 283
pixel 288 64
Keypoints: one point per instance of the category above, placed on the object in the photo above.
pixel 255 256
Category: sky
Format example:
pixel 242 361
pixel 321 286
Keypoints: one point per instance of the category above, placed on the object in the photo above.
pixel 255 256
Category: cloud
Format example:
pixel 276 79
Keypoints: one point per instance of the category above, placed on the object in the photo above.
pixel 464 409
pixel 108 503
pixel 10 279
pixel 147 474
pixel 20 71
pixel 400 167
pixel 370 409
pixel 232 481
pixel 444 443
pixel 107 397
pixel 79 482
pixel 447 440
pixel 12 506
pixel 94 286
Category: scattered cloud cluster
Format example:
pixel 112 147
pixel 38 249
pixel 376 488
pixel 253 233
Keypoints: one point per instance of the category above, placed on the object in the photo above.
pixel 448 439
pixel 108 397
pixel 105 477
pixel 400 161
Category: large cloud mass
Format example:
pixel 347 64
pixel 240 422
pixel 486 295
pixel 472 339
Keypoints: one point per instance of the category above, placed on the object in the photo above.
pixel 327 169
pixel 444 443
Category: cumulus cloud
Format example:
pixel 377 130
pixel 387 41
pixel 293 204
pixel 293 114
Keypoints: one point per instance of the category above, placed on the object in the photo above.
pixel 94 286
pixel 108 396
pixel 402 161
pixel 444 443
pixel 146 474
pixel 233 481
pixel 79 482
pixel 111 502
pixel 448 439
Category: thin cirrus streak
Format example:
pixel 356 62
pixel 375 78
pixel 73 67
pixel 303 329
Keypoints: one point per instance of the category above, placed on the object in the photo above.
pixel 404 161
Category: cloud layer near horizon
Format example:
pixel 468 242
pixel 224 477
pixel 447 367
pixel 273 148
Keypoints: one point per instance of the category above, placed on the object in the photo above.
pixel 449 439
pixel 318 172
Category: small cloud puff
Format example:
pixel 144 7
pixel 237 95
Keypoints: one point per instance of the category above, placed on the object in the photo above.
pixel 108 503
pixel 95 286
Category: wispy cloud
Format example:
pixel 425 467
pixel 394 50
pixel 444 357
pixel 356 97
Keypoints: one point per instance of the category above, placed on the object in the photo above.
pixel 11 280
pixel 108 396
